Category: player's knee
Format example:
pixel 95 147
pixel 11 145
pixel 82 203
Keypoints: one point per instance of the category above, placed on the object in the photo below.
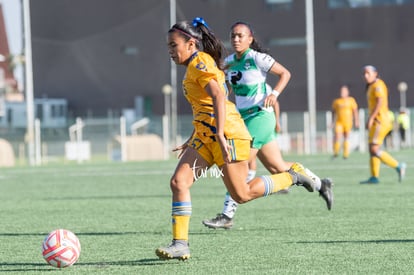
pixel 374 153
pixel 240 198
pixel 174 185
pixel 177 184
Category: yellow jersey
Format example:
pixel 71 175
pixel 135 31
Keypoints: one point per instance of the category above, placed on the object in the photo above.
pixel 200 70
pixel 343 108
pixel 377 90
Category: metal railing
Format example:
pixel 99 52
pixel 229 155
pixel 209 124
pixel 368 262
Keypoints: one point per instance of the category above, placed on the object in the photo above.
pixel 100 132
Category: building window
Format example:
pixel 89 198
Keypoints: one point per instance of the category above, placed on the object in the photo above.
pixel 53 111
pixel 353 45
pixel 291 41
pixel 335 4
pixel 129 50
pixel 279 4
pixel 9 116
pixel 62 111
pixel 39 111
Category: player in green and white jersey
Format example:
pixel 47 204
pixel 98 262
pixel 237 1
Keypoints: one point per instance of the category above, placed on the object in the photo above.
pixel 246 71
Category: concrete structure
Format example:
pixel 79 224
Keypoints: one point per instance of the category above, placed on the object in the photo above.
pixel 52 112
pixel 101 54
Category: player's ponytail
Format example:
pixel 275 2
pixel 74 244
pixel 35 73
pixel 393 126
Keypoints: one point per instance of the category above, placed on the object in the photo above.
pixel 211 44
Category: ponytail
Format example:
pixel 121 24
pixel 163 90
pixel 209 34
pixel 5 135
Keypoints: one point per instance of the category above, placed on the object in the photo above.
pixel 211 44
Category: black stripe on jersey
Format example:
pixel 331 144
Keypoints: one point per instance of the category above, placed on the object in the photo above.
pixel 209 114
pixel 211 127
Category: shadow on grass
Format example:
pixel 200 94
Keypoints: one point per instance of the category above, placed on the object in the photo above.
pixel 125 197
pixel 142 262
pixel 24 267
pixel 358 241
pixel 83 234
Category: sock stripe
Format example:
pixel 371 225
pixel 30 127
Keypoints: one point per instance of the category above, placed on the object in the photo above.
pixel 181 209
pixel 268 185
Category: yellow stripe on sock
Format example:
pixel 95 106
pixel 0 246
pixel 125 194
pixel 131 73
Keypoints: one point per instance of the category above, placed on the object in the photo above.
pixel 180 227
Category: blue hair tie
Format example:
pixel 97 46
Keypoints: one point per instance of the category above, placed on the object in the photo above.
pixel 199 21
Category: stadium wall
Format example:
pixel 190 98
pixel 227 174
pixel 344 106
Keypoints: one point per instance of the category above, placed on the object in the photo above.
pixel 101 54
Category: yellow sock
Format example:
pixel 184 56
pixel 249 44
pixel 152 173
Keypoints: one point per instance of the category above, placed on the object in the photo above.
pixel 181 213
pixel 180 227
pixel 387 159
pixel 374 164
pixel 337 147
pixel 346 149
pixel 276 182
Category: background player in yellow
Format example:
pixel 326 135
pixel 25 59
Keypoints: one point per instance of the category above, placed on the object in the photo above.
pixel 345 114
pixel 403 120
pixel 388 138
pixel 378 125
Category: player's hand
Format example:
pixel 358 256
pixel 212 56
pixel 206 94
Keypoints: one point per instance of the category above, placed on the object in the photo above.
pixel 225 148
pixel 269 101
pixel 278 128
pixel 370 122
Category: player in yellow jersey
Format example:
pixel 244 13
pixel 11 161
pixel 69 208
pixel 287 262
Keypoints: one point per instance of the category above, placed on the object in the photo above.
pixel 378 125
pixel 403 120
pixel 345 113
pixel 219 137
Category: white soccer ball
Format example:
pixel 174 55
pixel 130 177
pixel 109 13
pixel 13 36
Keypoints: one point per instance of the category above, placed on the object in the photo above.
pixel 61 248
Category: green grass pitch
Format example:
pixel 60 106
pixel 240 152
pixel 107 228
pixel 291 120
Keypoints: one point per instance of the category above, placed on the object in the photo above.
pixel 122 213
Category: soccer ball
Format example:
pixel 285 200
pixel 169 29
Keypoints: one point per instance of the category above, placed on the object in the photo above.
pixel 61 248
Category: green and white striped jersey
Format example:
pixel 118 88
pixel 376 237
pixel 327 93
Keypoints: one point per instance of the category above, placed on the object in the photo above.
pixel 247 77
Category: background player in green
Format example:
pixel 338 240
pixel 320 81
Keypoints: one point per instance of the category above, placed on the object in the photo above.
pixel 246 70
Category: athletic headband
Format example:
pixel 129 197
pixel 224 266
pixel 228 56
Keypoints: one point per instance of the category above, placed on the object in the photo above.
pixel 370 67
pixel 184 32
